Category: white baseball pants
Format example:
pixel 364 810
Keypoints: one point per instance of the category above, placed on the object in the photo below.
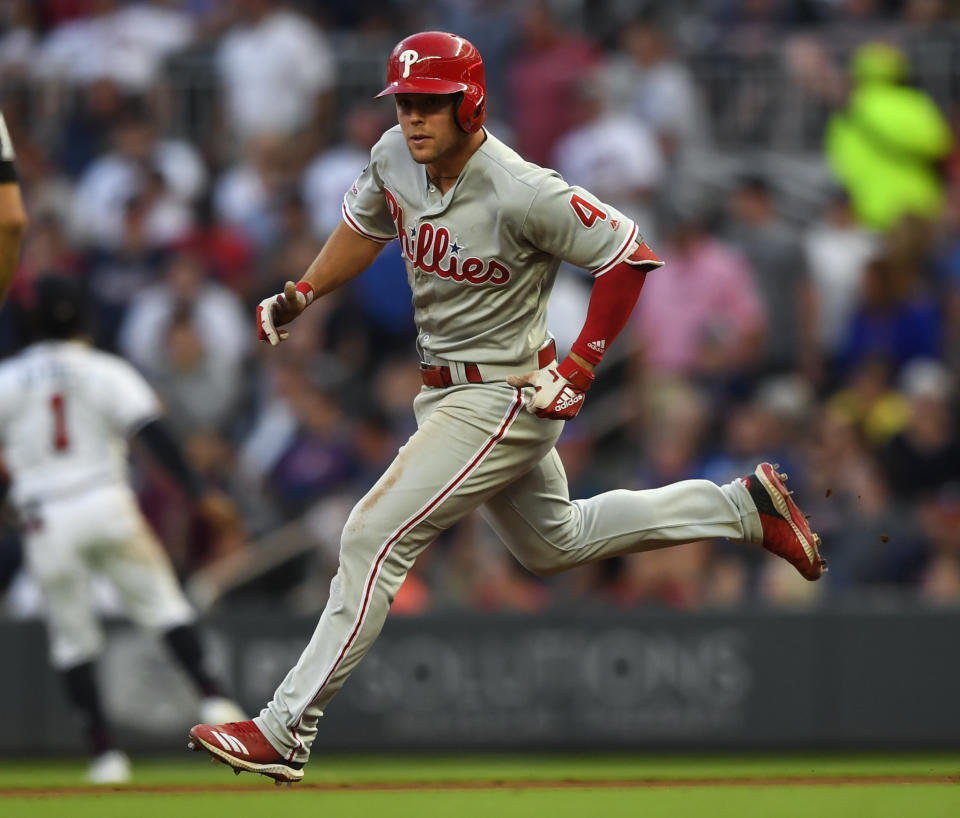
pixel 99 531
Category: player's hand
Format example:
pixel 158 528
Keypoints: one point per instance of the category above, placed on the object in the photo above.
pixel 558 389
pixel 281 309
pixel 219 511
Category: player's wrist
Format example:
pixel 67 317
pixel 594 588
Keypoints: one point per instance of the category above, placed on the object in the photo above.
pixel 575 373
pixel 306 289
pixel 583 362
pixel 8 170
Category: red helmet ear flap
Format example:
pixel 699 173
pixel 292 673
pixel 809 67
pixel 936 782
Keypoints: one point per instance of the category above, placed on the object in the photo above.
pixel 470 111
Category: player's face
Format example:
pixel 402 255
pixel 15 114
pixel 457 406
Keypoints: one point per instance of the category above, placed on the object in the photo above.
pixel 428 126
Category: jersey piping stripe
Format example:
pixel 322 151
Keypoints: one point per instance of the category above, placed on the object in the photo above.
pixel 618 257
pixel 352 222
pixel 511 414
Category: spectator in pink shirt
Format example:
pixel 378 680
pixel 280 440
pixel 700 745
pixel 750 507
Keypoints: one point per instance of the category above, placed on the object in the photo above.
pixel 543 82
pixel 701 316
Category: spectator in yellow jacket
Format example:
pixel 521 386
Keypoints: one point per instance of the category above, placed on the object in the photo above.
pixel 886 144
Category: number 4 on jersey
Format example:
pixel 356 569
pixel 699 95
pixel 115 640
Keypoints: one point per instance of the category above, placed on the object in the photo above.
pixel 588 213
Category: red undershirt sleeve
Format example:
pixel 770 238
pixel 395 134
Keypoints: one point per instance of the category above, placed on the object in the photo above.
pixel 615 294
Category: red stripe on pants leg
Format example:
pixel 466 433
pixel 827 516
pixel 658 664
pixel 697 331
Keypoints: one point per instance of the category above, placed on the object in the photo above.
pixel 296 738
pixel 511 414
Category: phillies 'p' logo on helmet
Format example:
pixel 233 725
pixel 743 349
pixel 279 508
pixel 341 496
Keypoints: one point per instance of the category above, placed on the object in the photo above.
pixel 436 62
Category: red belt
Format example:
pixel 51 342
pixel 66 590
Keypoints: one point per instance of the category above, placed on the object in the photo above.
pixel 440 375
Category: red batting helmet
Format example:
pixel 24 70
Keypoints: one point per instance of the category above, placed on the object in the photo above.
pixel 435 62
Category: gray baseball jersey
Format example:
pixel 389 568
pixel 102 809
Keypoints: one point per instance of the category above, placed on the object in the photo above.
pixel 481 260
pixel 66 411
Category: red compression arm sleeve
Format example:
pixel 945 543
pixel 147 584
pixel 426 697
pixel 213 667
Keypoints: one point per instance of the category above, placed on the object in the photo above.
pixel 613 298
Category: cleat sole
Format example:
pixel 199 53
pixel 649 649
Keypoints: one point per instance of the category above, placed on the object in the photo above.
pixel 823 562
pixel 280 773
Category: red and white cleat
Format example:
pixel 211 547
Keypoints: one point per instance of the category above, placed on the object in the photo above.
pixel 786 531
pixel 242 746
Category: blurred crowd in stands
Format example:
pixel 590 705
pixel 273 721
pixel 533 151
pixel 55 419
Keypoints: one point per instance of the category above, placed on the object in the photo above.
pixel 795 162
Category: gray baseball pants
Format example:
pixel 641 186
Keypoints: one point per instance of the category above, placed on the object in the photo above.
pixel 477 446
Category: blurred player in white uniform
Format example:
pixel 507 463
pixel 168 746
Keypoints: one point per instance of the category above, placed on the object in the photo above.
pixel 66 413
pixel 483 233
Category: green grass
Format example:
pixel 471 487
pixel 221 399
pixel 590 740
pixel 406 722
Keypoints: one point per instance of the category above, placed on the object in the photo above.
pixel 212 791
pixel 796 802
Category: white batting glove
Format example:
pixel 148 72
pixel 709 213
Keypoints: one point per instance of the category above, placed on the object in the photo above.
pixel 282 309
pixel 558 389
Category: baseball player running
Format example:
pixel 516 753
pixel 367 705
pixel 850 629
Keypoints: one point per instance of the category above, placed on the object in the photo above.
pixel 483 233
pixel 66 412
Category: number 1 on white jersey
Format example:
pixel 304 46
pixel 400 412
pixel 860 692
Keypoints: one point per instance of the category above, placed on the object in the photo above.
pixel 61 440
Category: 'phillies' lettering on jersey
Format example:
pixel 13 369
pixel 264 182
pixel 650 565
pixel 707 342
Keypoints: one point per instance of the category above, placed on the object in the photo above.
pixel 503 228
pixel 435 242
